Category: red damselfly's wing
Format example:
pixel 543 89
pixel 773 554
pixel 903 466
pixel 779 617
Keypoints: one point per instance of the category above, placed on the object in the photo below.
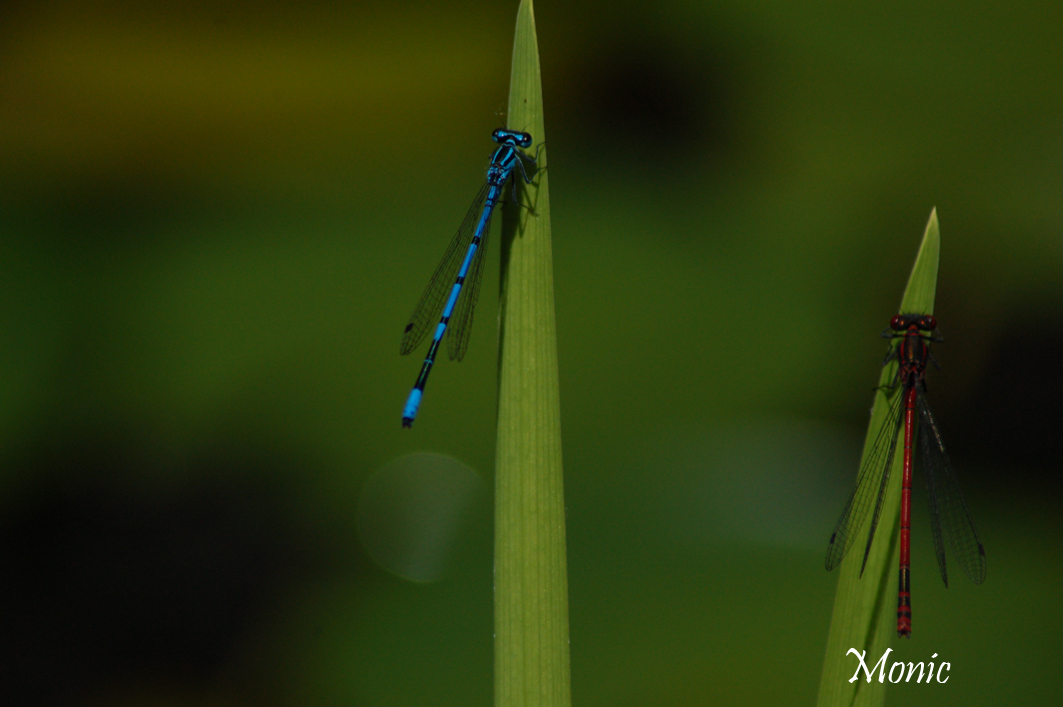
pixel 949 514
pixel 871 484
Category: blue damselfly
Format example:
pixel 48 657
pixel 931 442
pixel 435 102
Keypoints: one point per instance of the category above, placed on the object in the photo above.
pixel 463 263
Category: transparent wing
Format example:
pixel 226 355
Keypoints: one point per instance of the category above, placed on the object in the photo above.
pixel 933 494
pixel 430 306
pixel 870 488
pixel 458 339
pixel 949 514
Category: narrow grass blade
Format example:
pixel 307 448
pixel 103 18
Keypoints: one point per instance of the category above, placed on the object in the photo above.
pixel 865 609
pixel 531 584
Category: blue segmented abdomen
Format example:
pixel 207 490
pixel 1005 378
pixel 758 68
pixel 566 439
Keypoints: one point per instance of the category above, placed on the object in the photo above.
pixel 412 403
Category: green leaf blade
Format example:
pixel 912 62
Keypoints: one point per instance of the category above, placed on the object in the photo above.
pixel 531 584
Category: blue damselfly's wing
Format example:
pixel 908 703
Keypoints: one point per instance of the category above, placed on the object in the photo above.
pixel 949 515
pixel 428 310
pixel 458 339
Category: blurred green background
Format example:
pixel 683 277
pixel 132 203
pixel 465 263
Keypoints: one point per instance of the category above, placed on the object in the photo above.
pixel 215 221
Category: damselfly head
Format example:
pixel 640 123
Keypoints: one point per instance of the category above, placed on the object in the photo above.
pixel 512 137
pixel 923 322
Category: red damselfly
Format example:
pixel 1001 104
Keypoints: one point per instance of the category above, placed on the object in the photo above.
pixel 949 518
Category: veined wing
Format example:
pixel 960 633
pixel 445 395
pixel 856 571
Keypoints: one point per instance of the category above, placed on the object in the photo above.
pixel 871 484
pixel 949 515
pixel 430 306
pixel 458 341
